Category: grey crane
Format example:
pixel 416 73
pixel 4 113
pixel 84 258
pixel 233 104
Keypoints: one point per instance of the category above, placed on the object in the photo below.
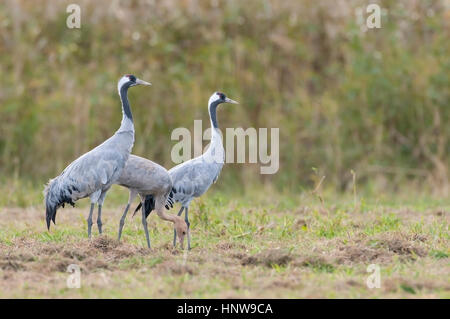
pixel 92 174
pixel 193 178
pixel 146 178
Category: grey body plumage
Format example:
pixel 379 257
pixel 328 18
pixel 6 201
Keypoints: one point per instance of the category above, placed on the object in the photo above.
pixel 152 181
pixel 92 174
pixel 193 178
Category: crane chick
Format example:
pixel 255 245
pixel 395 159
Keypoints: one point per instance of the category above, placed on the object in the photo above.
pixel 146 178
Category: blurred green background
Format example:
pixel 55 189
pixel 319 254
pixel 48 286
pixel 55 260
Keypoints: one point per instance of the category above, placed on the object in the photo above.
pixel 346 98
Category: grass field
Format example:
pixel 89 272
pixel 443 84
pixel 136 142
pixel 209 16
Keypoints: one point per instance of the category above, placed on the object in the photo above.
pixel 302 246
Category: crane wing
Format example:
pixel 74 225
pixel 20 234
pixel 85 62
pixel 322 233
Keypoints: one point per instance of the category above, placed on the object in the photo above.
pixel 91 172
pixel 192 179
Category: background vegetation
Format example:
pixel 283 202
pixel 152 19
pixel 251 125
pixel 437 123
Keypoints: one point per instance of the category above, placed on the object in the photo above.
pixel 345 98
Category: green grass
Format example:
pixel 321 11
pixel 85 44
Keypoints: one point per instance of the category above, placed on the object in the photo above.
pixel 249 246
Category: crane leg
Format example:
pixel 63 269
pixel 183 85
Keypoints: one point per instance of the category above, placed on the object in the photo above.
pixel 131 197
pixel 144 223
pixel 122 221
pixel 174 231
pixel 89 220
pixel 186 219
pixel 99 219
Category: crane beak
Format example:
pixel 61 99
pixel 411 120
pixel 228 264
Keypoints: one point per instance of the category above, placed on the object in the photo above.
pixel 141 82
pixel 227 100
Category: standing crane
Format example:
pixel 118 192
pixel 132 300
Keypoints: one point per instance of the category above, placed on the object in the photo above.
pixel 144 177
pixel 92 174
pixel 194 177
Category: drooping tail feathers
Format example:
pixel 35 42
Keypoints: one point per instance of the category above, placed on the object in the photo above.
pixel 54 197
pixel 170 200
pixel 149 205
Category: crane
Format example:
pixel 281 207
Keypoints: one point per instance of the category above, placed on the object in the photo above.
pixel 92 174
pixel 144 177
pixel 193 178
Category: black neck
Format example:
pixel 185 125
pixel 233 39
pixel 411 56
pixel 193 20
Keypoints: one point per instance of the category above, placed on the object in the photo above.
pixel 125 105
pixel 212 113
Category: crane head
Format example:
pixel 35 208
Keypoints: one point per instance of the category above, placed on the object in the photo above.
pixel 219 97
pixel 181 228
pixel 129 80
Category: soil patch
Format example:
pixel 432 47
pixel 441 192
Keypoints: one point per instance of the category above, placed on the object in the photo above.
pixel 176 268
pixel 268 258
pixel 316 262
